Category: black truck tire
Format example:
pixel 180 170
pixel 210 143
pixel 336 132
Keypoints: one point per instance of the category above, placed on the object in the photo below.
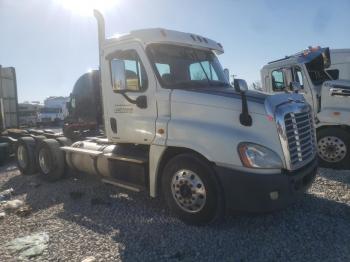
pixel 25 155
pixel 64 141
pixel 4 152
pixel 191 190
pixel 333 147
pixel 50 158
pixel 39 138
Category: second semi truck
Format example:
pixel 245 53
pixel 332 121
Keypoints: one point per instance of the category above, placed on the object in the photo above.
pixel 316 77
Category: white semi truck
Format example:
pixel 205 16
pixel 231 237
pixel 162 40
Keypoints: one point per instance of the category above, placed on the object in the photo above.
pixel 312 72
pixel 54 110
pixel 176 128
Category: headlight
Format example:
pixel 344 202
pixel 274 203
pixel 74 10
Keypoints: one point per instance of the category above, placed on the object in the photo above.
pixel 256 156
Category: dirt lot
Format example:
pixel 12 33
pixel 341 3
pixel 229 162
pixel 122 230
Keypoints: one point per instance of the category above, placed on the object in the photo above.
pixel 83 217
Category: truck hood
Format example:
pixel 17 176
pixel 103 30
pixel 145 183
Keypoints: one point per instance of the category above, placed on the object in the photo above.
pixel 229 98
pixel 337 84
pixel 335 95
pixel 335 89
pixel 333 103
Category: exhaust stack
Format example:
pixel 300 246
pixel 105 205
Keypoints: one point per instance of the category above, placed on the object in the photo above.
pixel 101 28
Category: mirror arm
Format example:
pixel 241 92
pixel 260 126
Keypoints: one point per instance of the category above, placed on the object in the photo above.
pixel 128 98
pixel 137 102
pixel 244 117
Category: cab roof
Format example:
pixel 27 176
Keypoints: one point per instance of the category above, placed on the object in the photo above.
pixel 161 35
pixel 304 56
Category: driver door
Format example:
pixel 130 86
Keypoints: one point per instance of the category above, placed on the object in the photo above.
pixel 125 120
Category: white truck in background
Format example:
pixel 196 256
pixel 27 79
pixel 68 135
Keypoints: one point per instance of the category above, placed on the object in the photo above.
pixel 340 64
pixel 176 128
pixel 28 113
pixel 319 79
pixel 54 110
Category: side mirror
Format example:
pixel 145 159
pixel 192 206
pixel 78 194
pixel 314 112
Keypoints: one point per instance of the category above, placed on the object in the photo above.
pixel 295 86
pixel 240 85
pixel 227 74
pixel 118 75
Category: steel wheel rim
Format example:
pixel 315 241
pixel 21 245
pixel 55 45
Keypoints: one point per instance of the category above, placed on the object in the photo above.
pixel 43 161
pixel 22 156
pixel 188 191
pixel 331 149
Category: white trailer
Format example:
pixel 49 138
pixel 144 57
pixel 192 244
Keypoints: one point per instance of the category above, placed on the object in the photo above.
pixel 176 128
pixel 311 72
pixel 8 98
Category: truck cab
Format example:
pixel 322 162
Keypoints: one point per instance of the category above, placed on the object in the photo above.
pixel 310 72
pixel 177 129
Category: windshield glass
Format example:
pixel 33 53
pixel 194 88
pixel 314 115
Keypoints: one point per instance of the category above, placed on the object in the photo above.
pixel 181 67
pixel 47 110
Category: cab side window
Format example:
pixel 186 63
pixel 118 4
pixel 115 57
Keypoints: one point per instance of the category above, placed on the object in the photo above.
pixel 298 76
pixel 278 80
pixel 135 74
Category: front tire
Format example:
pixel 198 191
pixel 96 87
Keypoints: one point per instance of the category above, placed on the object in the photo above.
pixel 191 190
pixel 50 159
pixel 333 147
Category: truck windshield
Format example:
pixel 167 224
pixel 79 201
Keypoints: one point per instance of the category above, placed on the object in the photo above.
pixel 181 67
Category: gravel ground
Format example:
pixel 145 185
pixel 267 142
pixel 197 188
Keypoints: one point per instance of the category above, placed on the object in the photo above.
pixel 115 225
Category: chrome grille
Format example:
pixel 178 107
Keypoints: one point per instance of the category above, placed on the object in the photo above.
pixel 301 137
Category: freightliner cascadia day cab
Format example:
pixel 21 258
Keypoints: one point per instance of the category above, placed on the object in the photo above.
pixel 312 73
pixel 176 128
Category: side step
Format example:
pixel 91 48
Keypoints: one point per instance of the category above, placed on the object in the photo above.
pixel 122 184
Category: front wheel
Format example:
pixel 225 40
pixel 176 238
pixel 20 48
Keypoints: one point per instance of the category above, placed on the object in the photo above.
pixel 191 190
pixel 333 147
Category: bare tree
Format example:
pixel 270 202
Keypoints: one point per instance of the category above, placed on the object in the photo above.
pixel 256 85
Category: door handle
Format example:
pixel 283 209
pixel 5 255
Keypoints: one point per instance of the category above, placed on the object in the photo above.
pixel 113 123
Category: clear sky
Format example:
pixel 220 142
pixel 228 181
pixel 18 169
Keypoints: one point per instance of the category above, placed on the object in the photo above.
pixel 51 44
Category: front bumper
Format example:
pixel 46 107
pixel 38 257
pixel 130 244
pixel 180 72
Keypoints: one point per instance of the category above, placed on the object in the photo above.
pixel 250 192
